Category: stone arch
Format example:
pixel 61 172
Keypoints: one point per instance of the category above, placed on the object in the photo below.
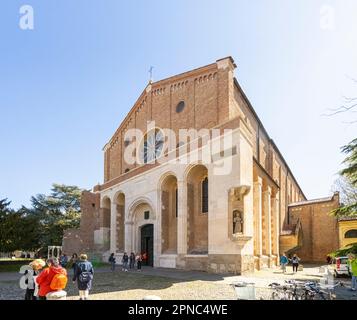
pixel 141 214
pixel 197 220
pixel 105 212
pixel 136 203
pixel 169 213
pixel 104 222
pixel 119 200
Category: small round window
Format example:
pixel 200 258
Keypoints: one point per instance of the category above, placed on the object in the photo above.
pixel 180 106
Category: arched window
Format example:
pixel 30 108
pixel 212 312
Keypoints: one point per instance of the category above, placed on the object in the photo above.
pixel 204 188
pixel 351 233
pixel 152 146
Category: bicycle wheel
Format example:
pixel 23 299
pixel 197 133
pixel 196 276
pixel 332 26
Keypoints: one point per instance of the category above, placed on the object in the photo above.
pixel 275 296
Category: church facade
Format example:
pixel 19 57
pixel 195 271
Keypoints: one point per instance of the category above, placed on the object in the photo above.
pixel 192 178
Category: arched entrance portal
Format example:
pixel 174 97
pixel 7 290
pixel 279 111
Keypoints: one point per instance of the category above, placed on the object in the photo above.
pixel 147 243
pixel 142 228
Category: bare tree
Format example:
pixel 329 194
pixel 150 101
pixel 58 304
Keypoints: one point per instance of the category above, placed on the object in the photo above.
pixel 349 106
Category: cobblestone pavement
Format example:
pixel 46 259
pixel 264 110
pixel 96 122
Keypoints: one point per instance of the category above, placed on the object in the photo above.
pixel 175 284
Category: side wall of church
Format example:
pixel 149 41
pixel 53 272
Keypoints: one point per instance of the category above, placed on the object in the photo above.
pixel 319 229
pixel 268 156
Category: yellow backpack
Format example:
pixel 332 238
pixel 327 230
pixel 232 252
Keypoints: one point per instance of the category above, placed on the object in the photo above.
pixel 58 282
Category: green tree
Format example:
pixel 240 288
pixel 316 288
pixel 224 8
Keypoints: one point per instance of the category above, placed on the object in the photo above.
pixel 349 208
pixel 17 231
pixel 55 213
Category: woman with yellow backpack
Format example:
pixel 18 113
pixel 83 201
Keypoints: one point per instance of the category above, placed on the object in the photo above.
pixel 53 278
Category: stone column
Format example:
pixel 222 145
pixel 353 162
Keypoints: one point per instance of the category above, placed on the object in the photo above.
pixel 275 203
pixel 128 226
pixel 113 227
pixel 182 218
pixel 267 218
pixel 258 235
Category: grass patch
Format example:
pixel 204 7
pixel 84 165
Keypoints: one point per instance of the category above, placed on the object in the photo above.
pixel 11 267
pixel 99 264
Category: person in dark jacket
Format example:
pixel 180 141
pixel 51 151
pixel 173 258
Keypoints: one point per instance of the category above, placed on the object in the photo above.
pixel 112 262
pixel 73 262
pixel 125 261
pixel 84 276
pixel 295 261
pixel 132 260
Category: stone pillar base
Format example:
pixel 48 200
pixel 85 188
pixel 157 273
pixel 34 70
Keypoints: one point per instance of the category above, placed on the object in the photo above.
pixel 230 263
pixel 264 262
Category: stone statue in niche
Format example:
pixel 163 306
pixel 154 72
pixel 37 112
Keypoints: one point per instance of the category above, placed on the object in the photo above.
pixel 237 222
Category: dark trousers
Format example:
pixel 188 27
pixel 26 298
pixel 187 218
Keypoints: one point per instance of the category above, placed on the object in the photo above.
pixel 139 265
pixel 295 267
pixel 29 294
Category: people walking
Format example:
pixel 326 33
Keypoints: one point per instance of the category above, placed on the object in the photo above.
pixel 53 278
pixel 284 262
pixel 73 262
pixel 139 260
pixel 132 260
pixel 112 262
pixel 352 264
pixel 125 261
pixel 63 260
pixel 295 261
pixel 84 276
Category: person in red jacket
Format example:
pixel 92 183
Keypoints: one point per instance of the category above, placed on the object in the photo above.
pixel 46 276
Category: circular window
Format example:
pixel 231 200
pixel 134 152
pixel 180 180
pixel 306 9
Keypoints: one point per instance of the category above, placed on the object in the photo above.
pixel 152 146
pixel 126 142
pixel 180 106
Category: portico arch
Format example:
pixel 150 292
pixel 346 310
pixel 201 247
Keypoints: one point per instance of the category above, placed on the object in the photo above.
pixel 169 214
pixel 105 220
pixel 142 227
pixel 119 199
pixel 197 210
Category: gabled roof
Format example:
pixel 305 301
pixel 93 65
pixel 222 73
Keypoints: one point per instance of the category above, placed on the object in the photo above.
pixel 313 201
pixel 161 82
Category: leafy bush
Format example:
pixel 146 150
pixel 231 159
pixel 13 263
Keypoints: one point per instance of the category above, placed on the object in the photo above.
pixel 352 248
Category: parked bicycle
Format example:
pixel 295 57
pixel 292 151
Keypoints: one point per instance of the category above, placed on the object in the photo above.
pixel 300 290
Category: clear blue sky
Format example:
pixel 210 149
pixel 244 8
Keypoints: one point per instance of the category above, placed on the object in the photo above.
pixel 66 85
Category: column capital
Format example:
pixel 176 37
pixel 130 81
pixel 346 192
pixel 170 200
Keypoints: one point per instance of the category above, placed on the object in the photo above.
pixel 259 181
pixel 267 190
